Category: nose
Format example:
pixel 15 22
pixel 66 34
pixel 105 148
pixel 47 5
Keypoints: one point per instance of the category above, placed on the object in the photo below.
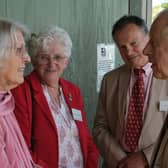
pixel 51 62
pixel 129 50
pixel 26 58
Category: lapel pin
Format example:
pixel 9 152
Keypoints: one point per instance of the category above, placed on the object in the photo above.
pixel 70 96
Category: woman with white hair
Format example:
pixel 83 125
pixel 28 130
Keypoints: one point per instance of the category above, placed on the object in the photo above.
pixel 50 109
pixel 13 57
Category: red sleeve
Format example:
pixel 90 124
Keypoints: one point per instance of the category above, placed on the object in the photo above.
pixel 23 113
pixel 92 152
pixel 23 110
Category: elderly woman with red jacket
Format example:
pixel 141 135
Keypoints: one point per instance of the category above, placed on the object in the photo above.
pixel 50 110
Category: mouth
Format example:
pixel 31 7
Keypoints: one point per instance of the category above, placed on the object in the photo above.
pixel 132 57
pixel 51 70
pixel 21 69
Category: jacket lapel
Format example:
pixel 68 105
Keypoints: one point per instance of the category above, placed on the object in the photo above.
pixel 71 101
pixel 155 96
pixel 124 80
pixel 67 94
pixel 40 99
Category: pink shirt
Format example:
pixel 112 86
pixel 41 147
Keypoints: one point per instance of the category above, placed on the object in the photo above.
pixel 13 149
pixel 147 84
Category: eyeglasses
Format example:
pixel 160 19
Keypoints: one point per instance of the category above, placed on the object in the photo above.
pixel 45 59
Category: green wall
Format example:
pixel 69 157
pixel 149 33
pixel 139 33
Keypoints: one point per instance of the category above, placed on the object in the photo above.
pixel 88 22
pixel 135 7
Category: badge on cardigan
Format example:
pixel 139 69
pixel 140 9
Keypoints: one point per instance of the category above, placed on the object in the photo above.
pixel 163 105
pixel 77 115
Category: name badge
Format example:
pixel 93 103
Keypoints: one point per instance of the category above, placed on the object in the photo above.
pixel 76 114
pixel 163 105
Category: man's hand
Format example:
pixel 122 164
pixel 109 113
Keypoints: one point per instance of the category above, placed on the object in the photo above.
pixel 133 160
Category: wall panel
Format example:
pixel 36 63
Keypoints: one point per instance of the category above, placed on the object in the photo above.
pixel 88 22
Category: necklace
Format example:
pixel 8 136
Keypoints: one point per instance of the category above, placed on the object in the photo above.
pixel 55 94
pixel 61 112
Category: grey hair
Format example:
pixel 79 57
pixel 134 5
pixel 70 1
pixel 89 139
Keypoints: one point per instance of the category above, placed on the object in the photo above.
pixel 41 42
pixel 8 30
pixel 163 15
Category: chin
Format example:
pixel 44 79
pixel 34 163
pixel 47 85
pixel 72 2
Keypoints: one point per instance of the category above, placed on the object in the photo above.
pixel 160 75
pixel 20 80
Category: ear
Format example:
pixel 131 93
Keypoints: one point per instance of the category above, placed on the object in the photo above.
pixel 66 63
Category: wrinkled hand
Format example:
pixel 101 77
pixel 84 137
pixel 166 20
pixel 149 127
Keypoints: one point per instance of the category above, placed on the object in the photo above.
pixel 133 160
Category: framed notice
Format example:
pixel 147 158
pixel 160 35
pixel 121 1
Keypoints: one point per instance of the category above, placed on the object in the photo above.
pixel 105 61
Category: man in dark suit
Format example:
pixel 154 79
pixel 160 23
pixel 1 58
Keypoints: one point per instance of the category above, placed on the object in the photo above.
pixel 121 141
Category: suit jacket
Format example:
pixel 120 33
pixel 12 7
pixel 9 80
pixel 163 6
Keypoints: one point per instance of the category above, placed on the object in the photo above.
pixel 38 127
pixel 109 121
pixel 159 157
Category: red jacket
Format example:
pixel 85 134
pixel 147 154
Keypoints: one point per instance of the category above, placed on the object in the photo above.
pixel 38 126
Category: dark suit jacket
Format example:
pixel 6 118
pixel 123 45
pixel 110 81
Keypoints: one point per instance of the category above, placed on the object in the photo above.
pixel 109 121
pixel 38 126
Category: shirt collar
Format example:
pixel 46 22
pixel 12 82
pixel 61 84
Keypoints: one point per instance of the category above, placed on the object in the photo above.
pixel 147 69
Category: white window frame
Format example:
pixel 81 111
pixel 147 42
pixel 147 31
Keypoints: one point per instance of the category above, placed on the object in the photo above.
pixel 146 11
